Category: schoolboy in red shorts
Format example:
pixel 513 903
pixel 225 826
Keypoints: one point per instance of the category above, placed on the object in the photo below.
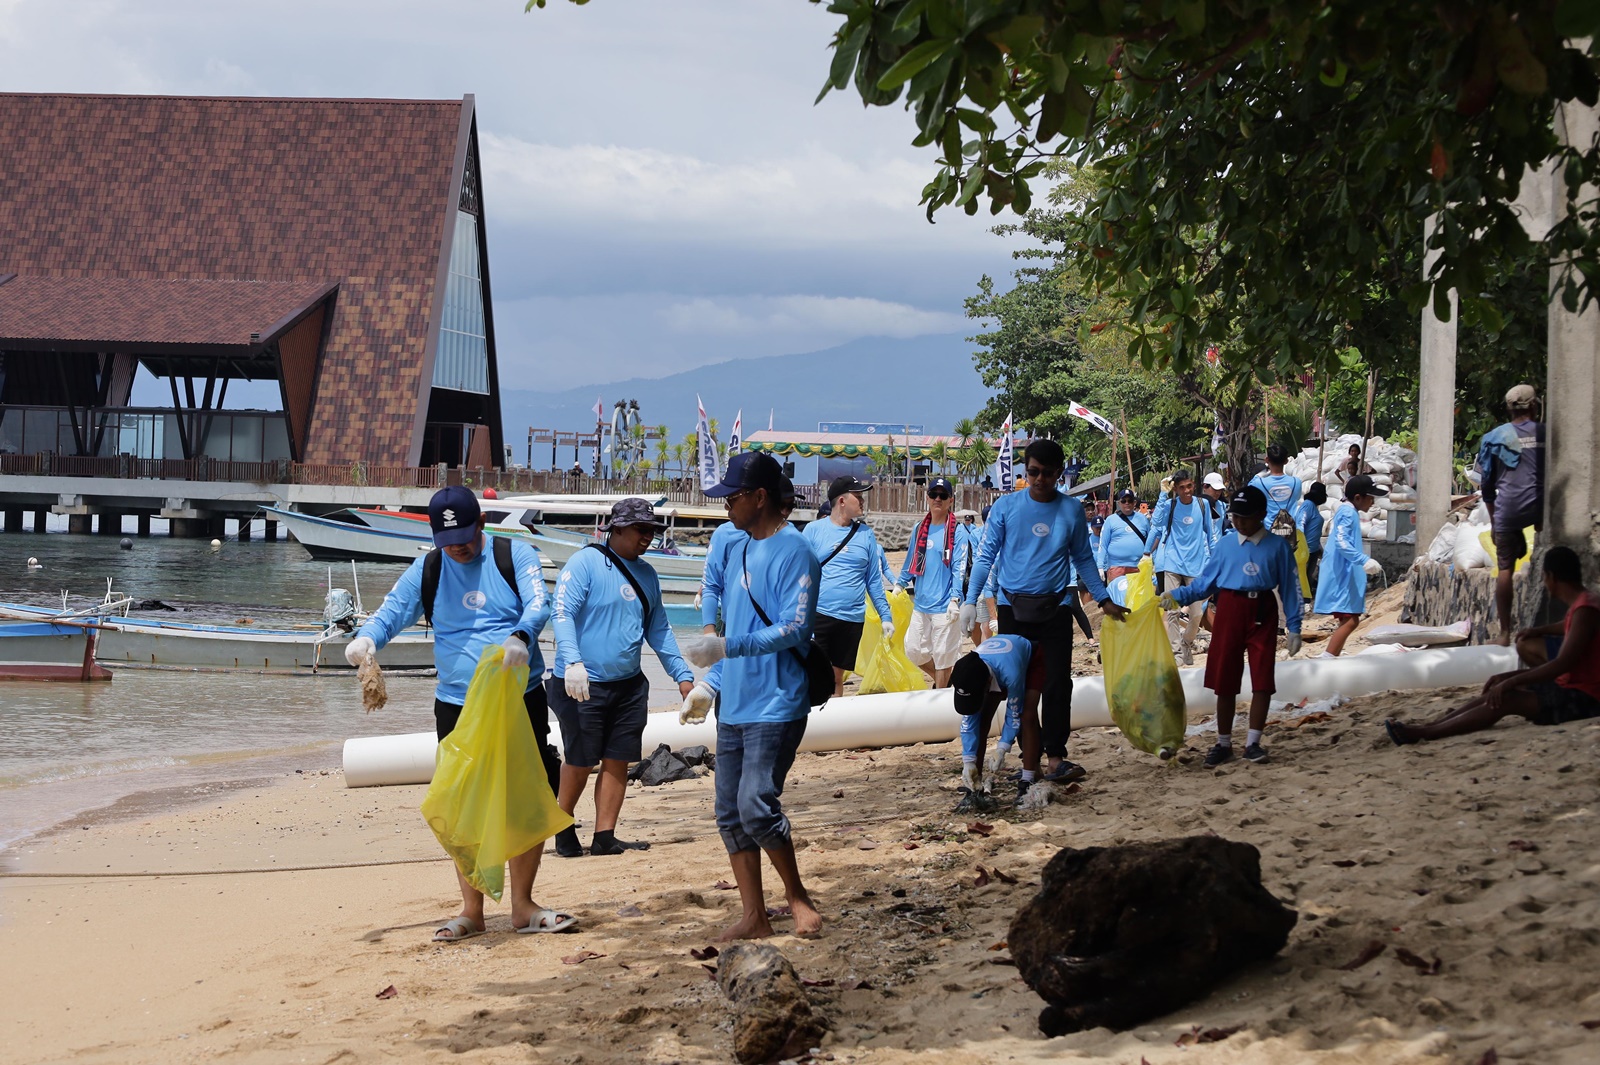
pixel 1246 567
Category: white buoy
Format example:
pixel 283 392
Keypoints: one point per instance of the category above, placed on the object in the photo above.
pixel 33 563
pixel 215 544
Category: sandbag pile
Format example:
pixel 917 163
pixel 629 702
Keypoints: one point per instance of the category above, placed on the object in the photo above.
pixel 1388 462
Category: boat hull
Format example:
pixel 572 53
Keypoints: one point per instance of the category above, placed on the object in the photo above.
pixel 32 650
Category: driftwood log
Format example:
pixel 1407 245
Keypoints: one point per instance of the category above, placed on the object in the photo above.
pixel 773 1017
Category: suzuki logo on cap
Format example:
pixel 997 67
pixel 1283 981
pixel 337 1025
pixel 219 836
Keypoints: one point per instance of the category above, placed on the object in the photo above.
pixel 449 519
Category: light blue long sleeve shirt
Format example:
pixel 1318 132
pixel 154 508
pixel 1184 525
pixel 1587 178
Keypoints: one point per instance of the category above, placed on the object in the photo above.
pixel 1282 491
pixel 1182 535
pixel 937 585
pixel 1309 520
pixel 851 575
pixel 724 538
pixel 1261 563
pixel 1342 580
pixel 1007 658
pixel 1034 548
pixel 760 679
pixel 472 609
pixel 599 621
pixel 1119 544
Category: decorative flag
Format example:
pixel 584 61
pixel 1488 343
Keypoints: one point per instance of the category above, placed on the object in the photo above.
pixel 599 410
pixel 710 473
pixel 737 437
pixel 1078 410
pixel 1003 464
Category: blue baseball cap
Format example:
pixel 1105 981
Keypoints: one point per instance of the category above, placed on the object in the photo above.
pixel 748 471
pixel 453 516
pixel 940 483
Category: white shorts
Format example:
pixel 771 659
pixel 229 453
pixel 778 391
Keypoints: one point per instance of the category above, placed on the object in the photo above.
pixel 935 636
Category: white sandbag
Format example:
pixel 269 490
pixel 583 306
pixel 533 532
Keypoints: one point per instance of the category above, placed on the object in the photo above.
pixel 1443 548
pixel 1469 552
pixel 1419 635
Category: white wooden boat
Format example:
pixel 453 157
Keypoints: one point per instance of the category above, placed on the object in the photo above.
pixel 40 650
pixel 329 539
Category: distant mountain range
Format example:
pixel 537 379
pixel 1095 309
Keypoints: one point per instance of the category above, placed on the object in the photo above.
pixel 928 380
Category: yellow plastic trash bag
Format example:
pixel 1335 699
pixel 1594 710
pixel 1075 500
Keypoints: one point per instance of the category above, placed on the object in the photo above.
pixel 1486 538
pixel 490 799
pixel 1142 685
pixel 883 664
pixel 1302 559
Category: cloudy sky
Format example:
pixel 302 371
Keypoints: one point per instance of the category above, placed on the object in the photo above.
pixel 661 192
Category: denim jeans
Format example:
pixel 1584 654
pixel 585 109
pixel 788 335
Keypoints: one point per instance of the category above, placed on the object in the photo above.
pixel 752 762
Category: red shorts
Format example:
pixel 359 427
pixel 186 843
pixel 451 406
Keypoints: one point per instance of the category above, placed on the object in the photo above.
pixel 1242 624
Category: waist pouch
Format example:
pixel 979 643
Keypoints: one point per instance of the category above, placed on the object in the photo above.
pixel 1033 609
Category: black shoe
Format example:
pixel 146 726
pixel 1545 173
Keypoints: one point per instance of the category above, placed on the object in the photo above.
pixel 608 843
pixel 1066 773
pixel 1218 755
pixel 1255 753
pixel 567 845
pixel 1022 790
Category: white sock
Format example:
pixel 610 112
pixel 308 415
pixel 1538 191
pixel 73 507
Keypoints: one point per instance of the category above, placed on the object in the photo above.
pixel 1224 739
pixel 1028 775
pixel 1255 737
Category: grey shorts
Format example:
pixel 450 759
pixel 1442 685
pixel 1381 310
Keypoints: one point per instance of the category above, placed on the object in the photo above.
pixel 609 725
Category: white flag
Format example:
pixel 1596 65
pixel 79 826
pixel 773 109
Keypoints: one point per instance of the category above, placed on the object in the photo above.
pixel 1078 410
pixel 737 437
pixel 1004 463
pixel 599 410
pixel 710 472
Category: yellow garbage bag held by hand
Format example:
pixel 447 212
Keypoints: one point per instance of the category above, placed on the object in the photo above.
pixel 490 799
pixel 1142 685
pixel 887 669
pixel 1302 560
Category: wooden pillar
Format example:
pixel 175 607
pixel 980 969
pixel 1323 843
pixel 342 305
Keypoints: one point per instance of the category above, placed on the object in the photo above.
pixel 143 524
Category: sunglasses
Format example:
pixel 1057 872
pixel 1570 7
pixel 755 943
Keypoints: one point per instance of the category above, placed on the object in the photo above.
pixel 938 495
pixel 1035 472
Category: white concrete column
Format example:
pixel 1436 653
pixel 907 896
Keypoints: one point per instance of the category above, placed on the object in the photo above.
pixel 1436 411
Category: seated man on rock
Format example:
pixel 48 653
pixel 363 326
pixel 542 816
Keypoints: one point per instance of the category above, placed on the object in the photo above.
pixel 1565 688
pixel 1002 667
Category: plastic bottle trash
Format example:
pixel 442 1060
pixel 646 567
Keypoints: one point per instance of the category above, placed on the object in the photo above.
pixel 1143 688
pixel 489 800
pixel 886 667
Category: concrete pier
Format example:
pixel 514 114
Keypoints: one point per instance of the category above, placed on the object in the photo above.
pixel 80 524
pixel 13 519
pixel 143 525
pixel 109 523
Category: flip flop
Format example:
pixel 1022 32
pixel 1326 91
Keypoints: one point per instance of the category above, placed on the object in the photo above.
pixel 455 930
pixel 548 921
pixel 1391 726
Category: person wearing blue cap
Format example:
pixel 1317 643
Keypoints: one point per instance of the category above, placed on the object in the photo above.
pixel 475 596
pixel 852 571
pixel 607 606
pixel 758 668
pixel 1123 537
pixel 938 552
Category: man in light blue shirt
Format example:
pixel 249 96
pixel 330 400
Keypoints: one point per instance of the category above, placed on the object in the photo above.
pixel 607 605
pixel 1181 535
pixel 1002 667
pixel 1281 489
pixel 937 554
pixel 852 569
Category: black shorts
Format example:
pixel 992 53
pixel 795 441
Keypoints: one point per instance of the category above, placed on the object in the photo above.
pixel 610 725
pixel 841 639
pixel 1559 705
pixel 1509 545
pixel 445 716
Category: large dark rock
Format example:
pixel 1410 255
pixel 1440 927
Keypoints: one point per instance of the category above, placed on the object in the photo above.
pixel 773 1017
pixel 660 768
pixel 1119 935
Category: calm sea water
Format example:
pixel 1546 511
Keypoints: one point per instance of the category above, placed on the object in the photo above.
pixel 66 748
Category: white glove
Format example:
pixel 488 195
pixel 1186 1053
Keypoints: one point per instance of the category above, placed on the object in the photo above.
pixel 357 650
pixel 697 600
pixel 696 705
pixel 1166 485
pixel 969 614
pixel 703 652
pixel 994 626
pixel 971 778
pixel 888 629
pixel 1166 602
pixel 516 653
pixel 953 612
pixel 1295 643
pixel 1372 566
pixel 576 679
pixel 997 761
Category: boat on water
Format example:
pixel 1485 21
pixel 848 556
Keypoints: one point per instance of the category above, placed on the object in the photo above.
pixel 41 650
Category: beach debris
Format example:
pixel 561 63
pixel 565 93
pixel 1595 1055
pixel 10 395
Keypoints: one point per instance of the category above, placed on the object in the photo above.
pixel 982 879
pixel 839 794
pixel 1490 1057
pixel 857 985
pixel 699 755
pixel 389 992
pixel 1591 1025
pixel 866 845
pixel 1197 1034
pixel 705 954
pixel 804 982
pixel 661 767
pixel 374 692
pixel 1419 963
pixel 1368 952
pixel 1523 845
pixel 985 875
pixel 580 957
pixel 630 910
pixel 910 846
pixel 724 885
pixel 1148 926
pixel 1343 863
pixel 773 1016
pixel 978 828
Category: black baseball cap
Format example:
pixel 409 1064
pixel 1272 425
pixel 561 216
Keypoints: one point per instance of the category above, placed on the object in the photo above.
pixel 453 514
pixel 969 679
pixel 1249 501
pixel 750 470
pixel 1127 493
pixel 843 485
pixel 1362 485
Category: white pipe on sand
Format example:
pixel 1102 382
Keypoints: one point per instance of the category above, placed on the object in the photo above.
pixel 930 717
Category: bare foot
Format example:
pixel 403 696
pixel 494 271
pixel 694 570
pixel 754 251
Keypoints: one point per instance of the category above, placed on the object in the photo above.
pixel 750 926
pixel 1504 639
pixel 807 921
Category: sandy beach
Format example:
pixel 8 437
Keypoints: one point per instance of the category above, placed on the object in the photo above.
pixel 1481 852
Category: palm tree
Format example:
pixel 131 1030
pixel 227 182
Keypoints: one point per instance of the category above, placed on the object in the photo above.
pixel 977 457
pixel 939 454
pixel 679 451
pixel 965 430
pixel 663 450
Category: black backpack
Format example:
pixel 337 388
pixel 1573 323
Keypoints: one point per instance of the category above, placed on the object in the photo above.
pixel 433 562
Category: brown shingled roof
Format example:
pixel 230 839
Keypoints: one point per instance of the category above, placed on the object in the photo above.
pixel 357 192
pixel 138 311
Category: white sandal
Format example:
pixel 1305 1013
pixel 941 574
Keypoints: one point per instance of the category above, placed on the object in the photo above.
pixel 455 930
pixel 548 921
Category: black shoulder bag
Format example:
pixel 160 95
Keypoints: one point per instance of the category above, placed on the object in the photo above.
pixel 638 589
pixel 819 671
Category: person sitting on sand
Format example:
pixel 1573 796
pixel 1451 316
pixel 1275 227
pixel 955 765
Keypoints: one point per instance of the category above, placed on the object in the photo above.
pixel 463 588
pixel 1565 688
pixel 1342 578
pixel 1003 667
pixel 607 605
pixel 767 608
pixel 1245 568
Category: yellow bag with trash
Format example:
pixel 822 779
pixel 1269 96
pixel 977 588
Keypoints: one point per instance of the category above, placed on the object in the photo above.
pixel 490 799
pixel 1486 538
pixel 1302 559
pixel 1142 685
pixel 883 664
